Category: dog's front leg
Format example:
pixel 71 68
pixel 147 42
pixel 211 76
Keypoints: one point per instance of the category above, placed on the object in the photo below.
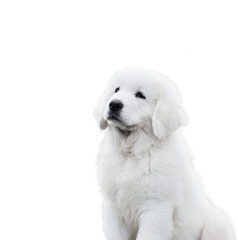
pixel 156 222
pixel 114 228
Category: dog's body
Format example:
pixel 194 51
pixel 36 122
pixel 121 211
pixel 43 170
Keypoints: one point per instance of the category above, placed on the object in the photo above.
pixel 145 172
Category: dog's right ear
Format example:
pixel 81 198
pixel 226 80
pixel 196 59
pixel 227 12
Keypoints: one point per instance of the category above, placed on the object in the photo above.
pixel 98 111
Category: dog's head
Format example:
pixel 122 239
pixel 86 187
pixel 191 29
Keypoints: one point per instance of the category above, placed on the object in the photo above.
pixel 137 98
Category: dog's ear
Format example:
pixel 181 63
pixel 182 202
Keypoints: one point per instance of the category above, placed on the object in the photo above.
pixel 169 113
pixel 98 111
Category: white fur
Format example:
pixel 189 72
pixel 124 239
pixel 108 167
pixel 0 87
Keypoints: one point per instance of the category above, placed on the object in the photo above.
pixel 150 190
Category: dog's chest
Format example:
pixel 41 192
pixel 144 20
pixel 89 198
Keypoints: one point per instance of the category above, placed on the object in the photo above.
pixel 132 183
pixel 129 182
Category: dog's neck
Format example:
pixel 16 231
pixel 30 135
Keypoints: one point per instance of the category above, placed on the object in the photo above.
pixel 132 143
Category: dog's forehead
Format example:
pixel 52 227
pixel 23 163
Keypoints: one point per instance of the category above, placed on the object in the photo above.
pixel 134 79
pixel 130 83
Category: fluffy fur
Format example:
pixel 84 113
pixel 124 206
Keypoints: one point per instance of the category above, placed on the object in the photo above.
pixel 150 190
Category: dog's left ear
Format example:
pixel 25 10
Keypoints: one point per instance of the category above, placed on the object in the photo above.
pixel 169 114
pixel 98 111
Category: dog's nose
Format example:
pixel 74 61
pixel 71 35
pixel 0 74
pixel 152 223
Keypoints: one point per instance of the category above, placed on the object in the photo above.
pixel 115 105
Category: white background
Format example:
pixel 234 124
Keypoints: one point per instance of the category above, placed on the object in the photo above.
pixel 55 59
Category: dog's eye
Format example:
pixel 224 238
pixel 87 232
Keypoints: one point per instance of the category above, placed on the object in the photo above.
pixel 117 89
pixel 140 95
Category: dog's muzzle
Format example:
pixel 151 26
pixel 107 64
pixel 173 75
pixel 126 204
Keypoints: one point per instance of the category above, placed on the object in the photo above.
pixel 115 107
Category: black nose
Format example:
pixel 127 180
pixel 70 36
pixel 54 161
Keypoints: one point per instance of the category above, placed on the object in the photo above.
pixel 115 105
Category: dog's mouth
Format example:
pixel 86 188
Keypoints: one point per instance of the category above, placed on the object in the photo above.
pixel 115 118
pixel 117 122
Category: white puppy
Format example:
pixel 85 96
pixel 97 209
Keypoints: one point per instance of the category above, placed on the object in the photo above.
pixel 150 190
